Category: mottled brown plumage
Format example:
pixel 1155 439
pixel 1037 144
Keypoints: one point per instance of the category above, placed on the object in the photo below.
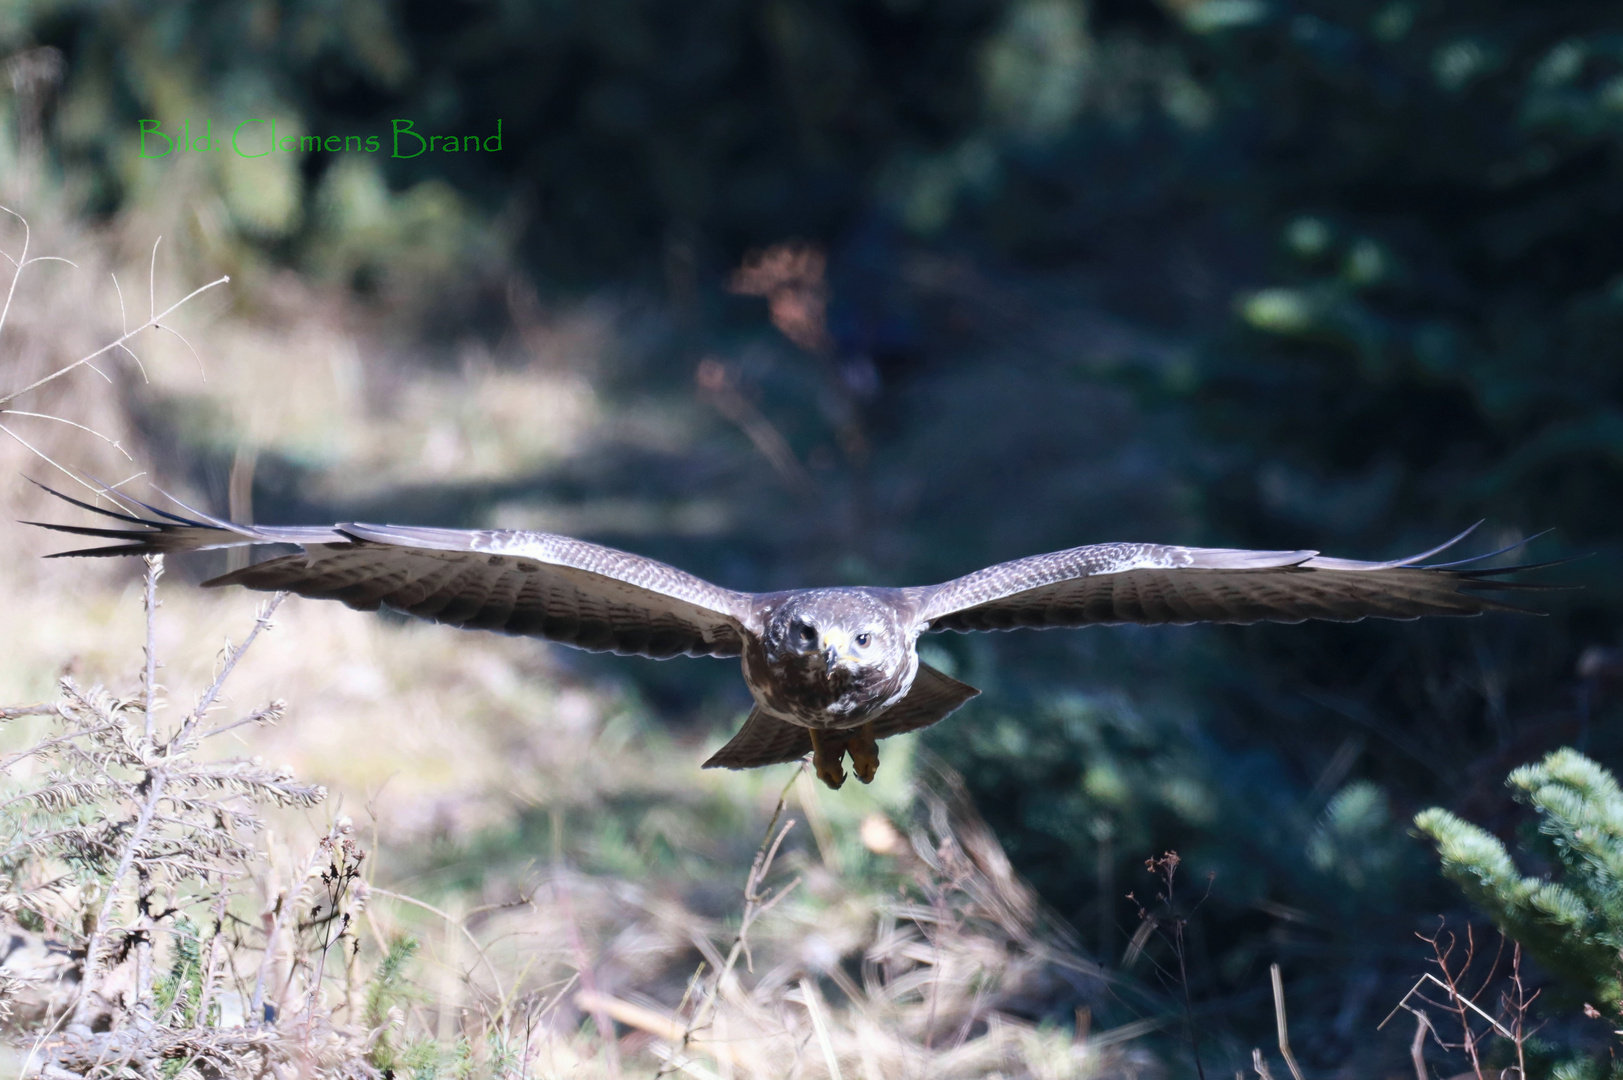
pixel 831 670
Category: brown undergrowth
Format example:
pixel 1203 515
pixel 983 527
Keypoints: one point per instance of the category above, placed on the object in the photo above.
pixel 164 938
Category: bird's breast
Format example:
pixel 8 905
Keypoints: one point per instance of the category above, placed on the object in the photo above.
pixel 803 690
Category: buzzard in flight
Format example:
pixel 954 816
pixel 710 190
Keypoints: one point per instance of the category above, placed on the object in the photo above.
pixel 832 670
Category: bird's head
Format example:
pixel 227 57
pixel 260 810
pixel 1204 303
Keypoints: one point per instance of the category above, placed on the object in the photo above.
pixel 844 632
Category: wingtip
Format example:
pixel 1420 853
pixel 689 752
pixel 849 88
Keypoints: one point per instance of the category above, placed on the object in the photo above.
pixel 1523 542
pixel 200 516
pixel 1440 548
pixel 84 505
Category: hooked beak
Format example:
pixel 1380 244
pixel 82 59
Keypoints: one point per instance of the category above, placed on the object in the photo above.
pixel 836 647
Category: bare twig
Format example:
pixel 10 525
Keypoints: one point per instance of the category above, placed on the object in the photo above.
pixel 1461 1002
pixel 1279 1021
pixel 83 360
pixel 268 714
pixel 450 921
pixel 1417 1046
pixel 19 262
pixel 149 685
pixel 1517 1006
pixel 808 994
pixel 95 950
pixel 262 621
pixel 14 711
pixel 756 903
pixel 114 443
pixel 718 386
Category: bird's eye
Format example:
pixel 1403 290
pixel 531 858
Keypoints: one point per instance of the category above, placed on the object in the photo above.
pixel 807 634
pixel 863 639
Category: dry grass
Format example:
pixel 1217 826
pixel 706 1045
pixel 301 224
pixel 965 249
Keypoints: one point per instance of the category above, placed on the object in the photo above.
pixel 133 854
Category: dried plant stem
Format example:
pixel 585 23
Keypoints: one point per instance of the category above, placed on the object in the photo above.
pixel 211 959
pixel 820 1026
pixel 1518 1007
pixel 1510 1022
pixel 285 904
pixel 19 262
pixel 262 621
pixel 1279 1021
pixel 1417 1047
pixel 149 685
pixel 155 321
pixel 12 712
pixel 756 904
pixel 501 994
pixel 96 948
pixel 46 744
pixel 1461 1003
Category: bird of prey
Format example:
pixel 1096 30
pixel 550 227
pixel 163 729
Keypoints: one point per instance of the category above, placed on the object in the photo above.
pixel 832 670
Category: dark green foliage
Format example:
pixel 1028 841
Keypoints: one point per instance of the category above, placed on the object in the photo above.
pixel 1573 925
pixel 181 988
pixel 390 989
pixel 1081 786
pixel 1585 1069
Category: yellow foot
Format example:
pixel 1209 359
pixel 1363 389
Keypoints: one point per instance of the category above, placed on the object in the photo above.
pixel 864 753
pixel 827 758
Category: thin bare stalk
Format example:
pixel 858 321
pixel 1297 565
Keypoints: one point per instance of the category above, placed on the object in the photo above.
pixel 12 712
pixel 155 321
pixel 820 1026
pixel 96 948
pixel 211 959
pixel 1417 1046
pixel 114 443
pixel 1279 1021
pixel 19 262
pixel 149 684
pixel 262 621
pixel 756 904
pixel 501 994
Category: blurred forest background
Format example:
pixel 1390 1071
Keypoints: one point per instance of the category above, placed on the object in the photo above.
pixel 1261 273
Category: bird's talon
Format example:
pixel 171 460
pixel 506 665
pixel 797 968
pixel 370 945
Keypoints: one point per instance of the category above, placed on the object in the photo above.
pixel 827 758
pixel 864 753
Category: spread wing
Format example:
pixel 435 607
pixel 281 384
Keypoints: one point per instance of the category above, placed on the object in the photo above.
pixel 532 583
pixel 1152 583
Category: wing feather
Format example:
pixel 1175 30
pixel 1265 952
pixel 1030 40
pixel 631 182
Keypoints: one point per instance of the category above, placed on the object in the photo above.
pixel 1147 584
pixel 517 582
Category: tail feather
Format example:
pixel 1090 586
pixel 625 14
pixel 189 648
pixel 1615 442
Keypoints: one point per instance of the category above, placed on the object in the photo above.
pixel 766 740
